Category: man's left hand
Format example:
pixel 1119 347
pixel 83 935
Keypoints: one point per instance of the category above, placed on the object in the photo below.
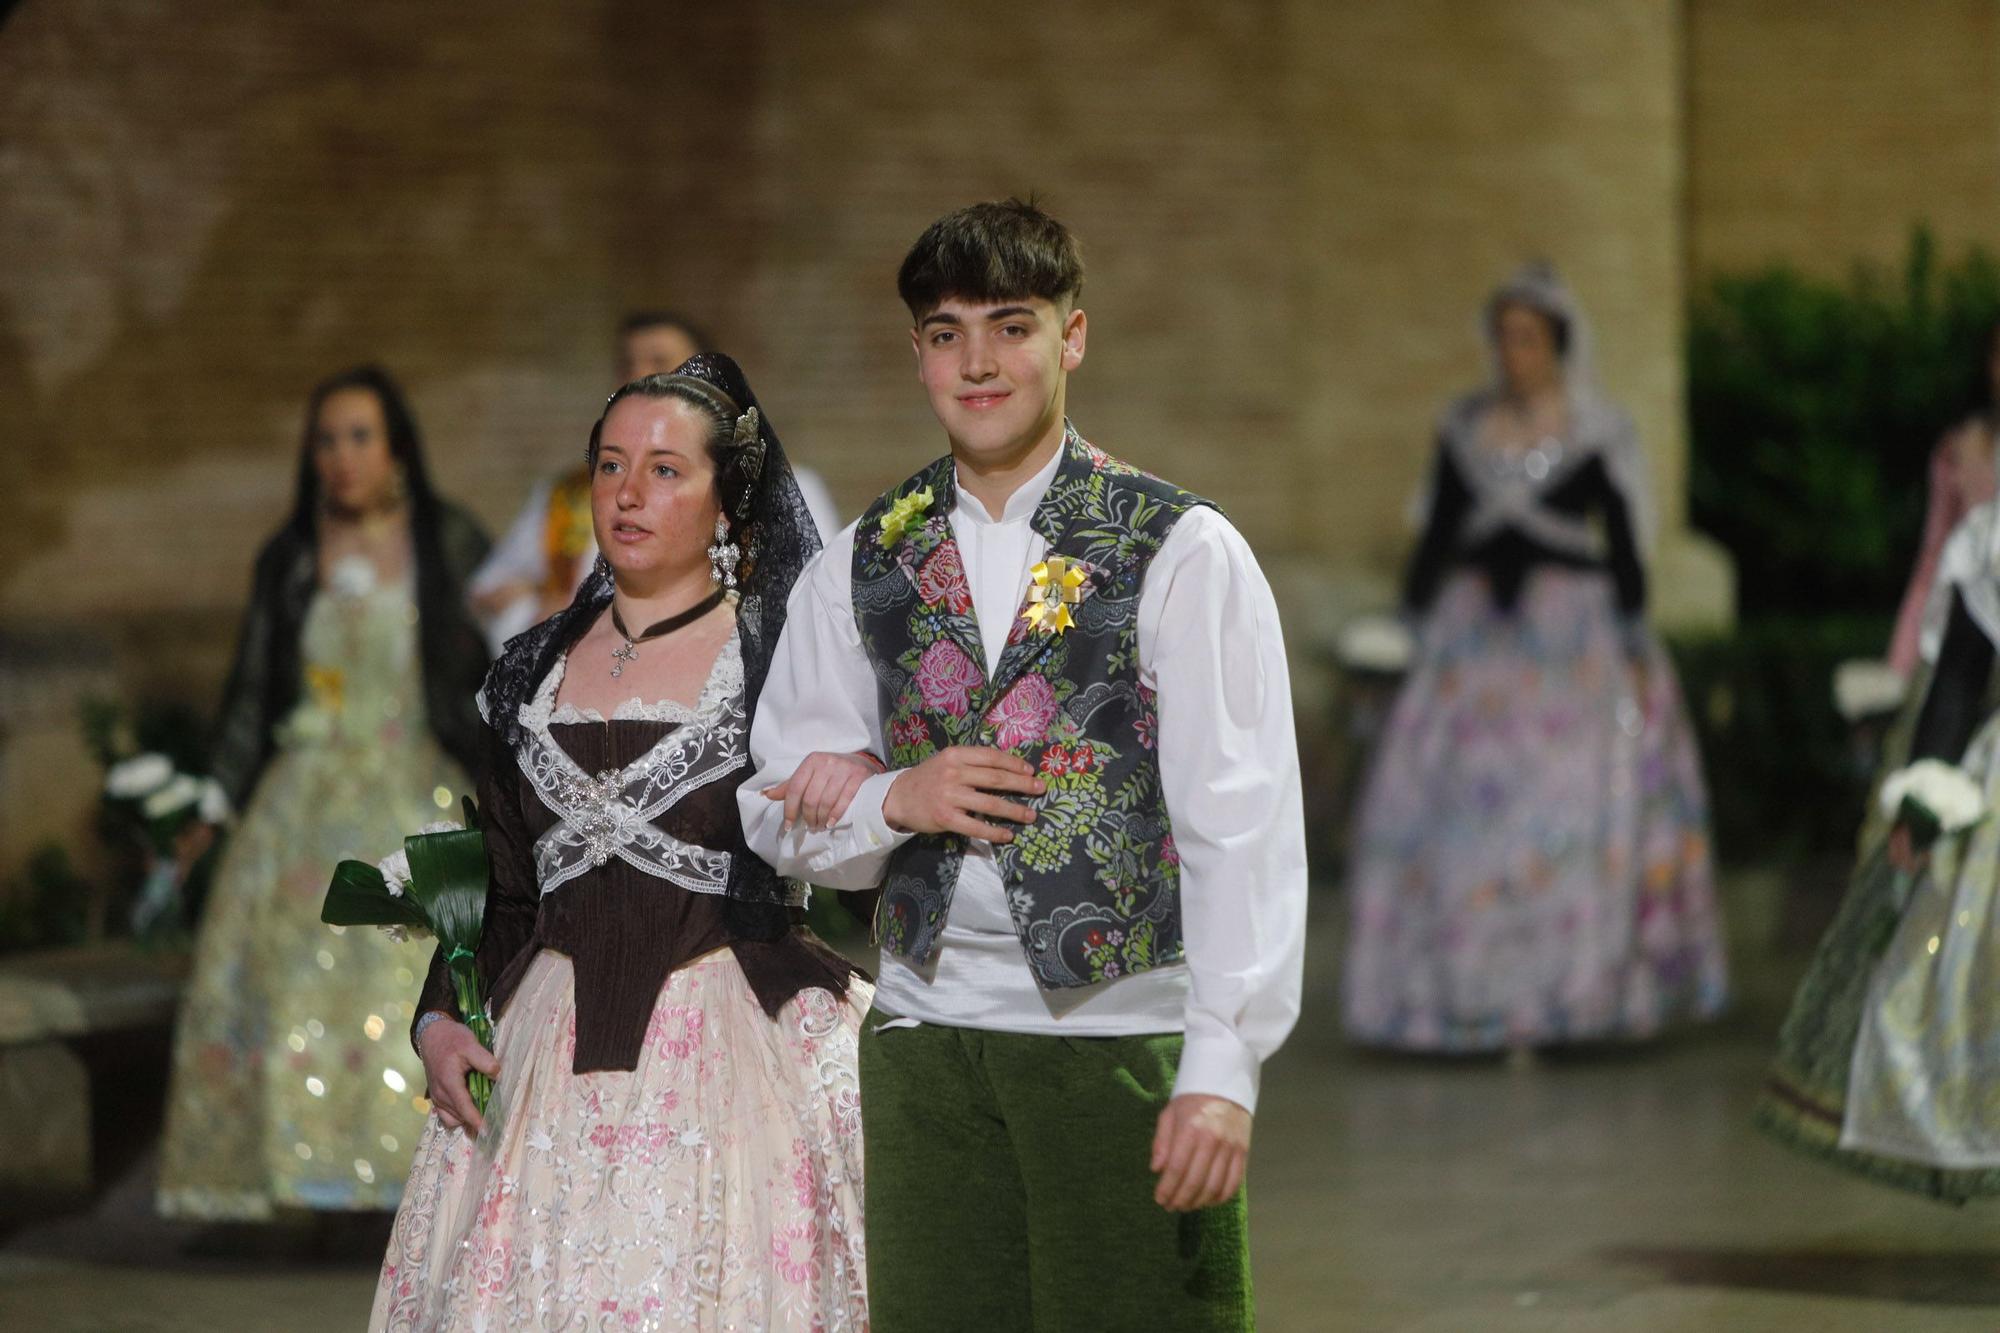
pixel 1200 1152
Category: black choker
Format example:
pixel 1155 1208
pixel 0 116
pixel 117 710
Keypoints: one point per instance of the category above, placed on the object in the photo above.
pixel 630 651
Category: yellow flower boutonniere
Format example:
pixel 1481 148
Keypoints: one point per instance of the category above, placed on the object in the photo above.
pixel 903 515
pixel 1058 586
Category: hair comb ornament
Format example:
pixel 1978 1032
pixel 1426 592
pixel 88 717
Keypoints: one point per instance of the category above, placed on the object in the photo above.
pixel 749 440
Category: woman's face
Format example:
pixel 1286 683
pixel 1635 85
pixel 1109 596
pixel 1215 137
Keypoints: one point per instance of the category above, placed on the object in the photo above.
pixel 652 497
pixel 350 451
pixel 1527 342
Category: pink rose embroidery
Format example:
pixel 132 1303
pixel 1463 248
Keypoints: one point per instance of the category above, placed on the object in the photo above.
pixel 795 1252
pixel 909 733
pixel 1024 713
pixel 946 678
pixel 941 580
pixel 675 1031
pixel 1147 729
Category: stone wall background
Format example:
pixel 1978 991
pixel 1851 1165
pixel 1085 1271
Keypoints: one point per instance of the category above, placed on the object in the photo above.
pixel 1291 211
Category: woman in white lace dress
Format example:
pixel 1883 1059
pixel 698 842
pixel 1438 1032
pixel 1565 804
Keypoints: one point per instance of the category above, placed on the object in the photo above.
pixel 348 721
pixel 673 1141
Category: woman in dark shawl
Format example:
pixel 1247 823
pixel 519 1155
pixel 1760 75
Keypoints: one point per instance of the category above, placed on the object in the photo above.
pixel 347 723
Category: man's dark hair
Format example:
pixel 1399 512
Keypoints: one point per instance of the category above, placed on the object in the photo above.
pixel 665 319
pixel 985 253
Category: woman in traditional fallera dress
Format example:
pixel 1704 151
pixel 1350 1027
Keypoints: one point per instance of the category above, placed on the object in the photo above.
pixel 673 1141
pixel 1886 1063
pixel 1961 477
pixel 1532 858
pixel 347 723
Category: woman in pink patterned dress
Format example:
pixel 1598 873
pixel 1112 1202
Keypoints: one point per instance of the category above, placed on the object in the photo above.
pixel 673 1141
pixel 1532 862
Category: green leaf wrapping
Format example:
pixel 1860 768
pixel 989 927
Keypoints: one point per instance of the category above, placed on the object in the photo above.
pixel 447 896
pixel 448 876
pixel 448 881
pixel 1924 825
pixel 358 896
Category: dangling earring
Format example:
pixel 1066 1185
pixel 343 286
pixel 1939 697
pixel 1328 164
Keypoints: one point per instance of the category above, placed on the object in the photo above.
pixel 725 555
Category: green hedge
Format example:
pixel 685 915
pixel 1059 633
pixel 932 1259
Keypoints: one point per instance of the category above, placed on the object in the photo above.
pixel 1812 409
pixel 1782 771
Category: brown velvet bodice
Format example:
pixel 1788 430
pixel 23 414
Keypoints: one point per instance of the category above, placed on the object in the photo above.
pixel 625 931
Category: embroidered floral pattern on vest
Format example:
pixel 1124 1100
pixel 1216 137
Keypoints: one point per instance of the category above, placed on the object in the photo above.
pixel 1093 883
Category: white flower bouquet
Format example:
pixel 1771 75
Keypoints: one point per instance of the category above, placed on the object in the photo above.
pixel 166 799
pixel 1930 800
pixel 435 885
pixel 161 802
pixel 1933 800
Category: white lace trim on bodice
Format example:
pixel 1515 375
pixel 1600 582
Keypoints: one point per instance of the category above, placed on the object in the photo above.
pixel 611 813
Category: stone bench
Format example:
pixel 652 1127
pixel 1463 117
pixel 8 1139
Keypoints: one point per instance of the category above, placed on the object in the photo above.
pixel 53 1003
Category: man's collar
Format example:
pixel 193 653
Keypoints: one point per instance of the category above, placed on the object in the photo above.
pixel 1027 497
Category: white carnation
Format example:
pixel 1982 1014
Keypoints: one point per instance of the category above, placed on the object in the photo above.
pixel 215 807
pixel 443 826
pixel 1375 643
pixel 179 793
pixel 395 872
pixel 1866 687
pixel 1951 797
pixel 404 934
pixel 141 775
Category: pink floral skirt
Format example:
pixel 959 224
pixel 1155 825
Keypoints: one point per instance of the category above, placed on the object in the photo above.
pixel 716 1186
pixel 1532 861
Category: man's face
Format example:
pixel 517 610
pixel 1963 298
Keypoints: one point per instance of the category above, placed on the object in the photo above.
pixel 655 350
pixel 996 372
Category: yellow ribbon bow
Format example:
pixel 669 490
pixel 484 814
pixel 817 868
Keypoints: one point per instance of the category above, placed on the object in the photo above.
pixel 902 514
pixel 1058 587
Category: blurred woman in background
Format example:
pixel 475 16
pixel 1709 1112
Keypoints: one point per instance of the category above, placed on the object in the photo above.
pixel 1887 1062
pixel 1532 859
pixel 348 722
pixel 1961 478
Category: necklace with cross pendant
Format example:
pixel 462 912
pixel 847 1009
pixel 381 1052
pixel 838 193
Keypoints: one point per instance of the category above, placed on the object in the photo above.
pixel 629 650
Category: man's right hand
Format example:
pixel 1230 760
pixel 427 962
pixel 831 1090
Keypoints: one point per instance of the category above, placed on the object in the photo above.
pixel 450 1051
pixel 959 791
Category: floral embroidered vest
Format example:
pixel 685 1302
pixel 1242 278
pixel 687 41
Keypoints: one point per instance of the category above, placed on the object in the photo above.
pixel 1093 884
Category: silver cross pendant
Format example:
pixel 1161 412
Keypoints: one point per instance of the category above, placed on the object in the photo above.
pixel 628 653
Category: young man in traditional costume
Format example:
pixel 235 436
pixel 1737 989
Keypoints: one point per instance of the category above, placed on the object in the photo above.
pixel 1089 839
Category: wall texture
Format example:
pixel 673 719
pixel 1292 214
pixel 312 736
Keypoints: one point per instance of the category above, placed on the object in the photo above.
pixel 1821 131
pixel 1443 144
pixel 204 210
pixel 1291 212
